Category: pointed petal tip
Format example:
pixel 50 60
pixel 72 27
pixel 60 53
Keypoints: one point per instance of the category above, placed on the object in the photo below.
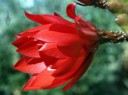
pixel 67 87
pixel 64 89
pixel 24 89
pixel 26 13
pixel 29 16
pixel 15 67
pixel 56 14
pixel 28 85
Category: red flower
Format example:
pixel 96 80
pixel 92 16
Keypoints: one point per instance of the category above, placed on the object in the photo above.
pixel 56 52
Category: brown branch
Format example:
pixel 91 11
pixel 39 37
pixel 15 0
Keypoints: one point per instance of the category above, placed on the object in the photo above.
pixel 114 37
pixel 97 3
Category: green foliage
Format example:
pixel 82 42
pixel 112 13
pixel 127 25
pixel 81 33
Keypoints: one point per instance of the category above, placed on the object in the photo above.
pixel 106 75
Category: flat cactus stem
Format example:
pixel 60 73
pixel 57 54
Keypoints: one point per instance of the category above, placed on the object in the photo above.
pixel 120 9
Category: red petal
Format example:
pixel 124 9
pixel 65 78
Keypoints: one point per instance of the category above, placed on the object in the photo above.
pixel 81 72
pixel 21 41
pixel 49 60
pixel 47 19
pixel 72 51
pixel 87 33
pixel 63 28
pixel 66 76
pixel 75 66
pixel 71 10
pixel 86 30
pixel 51 49
pixel 45 80
pixel 84 23
pixel 30 49
pixel 41 81
pixel 30 65
pixel 61 51
pixel 28 84
pixel 53 36
pixel 63 66
pixel 33 31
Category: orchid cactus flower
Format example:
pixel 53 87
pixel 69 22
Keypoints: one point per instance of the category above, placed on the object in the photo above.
pixel 58 51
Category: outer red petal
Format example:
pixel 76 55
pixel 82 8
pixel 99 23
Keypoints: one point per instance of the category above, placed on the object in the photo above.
pixel 63 66
pixel 20 41
pixel 48 27
pixel 33 31
pixel 71 10
pixel 63 28
pixel 47 80
pixel 56 37
pixel 51 49
pixel 61 51
pixel 64 76
pixel 47 19
pixel 81 72
pixel 41 80
pixel 84 23
pixel 75 66
pixel 30 65
pixel 28 84
pixel 87 33
pixel 30 48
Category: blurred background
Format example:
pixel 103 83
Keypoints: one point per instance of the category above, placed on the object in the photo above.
pixel 108 73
